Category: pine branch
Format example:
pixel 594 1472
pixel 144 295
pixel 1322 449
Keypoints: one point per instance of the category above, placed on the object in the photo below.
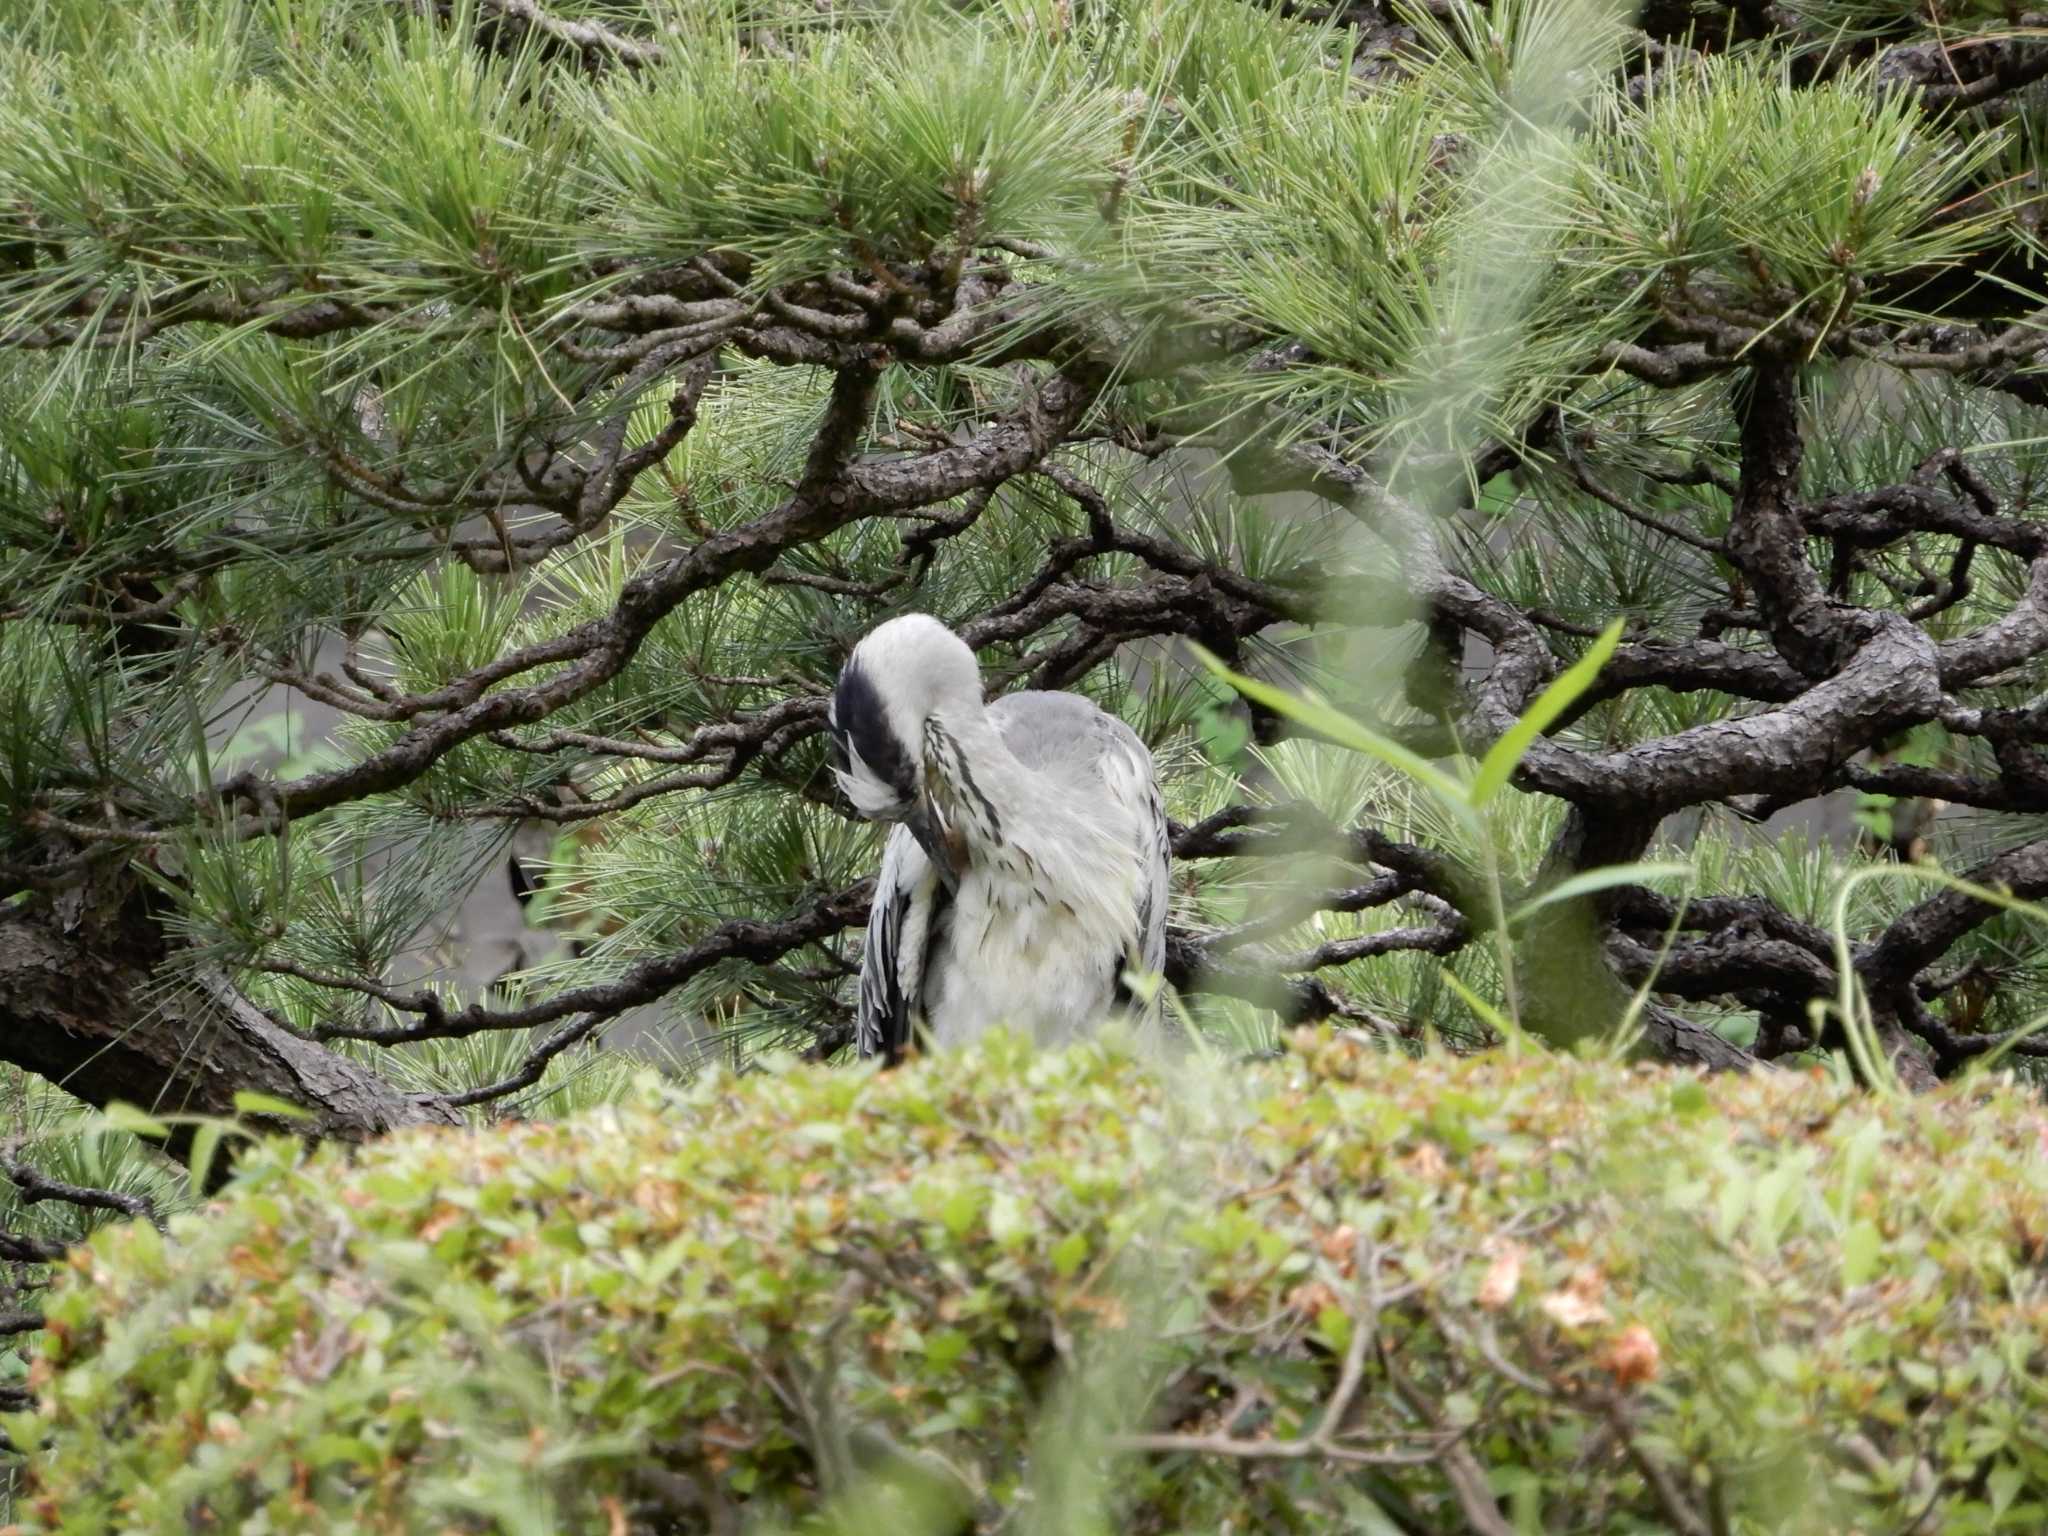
pixel 592 37
pixel 36 1187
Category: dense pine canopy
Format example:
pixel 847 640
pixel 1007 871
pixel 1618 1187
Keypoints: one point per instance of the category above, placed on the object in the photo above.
pixel 558 390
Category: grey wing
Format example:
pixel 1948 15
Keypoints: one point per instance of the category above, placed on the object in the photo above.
pixel 1063 732
pixel 1128 770
pixel 1156 889
pixel 893 958
pixel 1155 871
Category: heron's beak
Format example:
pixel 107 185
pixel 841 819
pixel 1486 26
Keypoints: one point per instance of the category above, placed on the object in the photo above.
pixel 941 843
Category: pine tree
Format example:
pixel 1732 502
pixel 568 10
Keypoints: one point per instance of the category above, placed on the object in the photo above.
pixel 559 390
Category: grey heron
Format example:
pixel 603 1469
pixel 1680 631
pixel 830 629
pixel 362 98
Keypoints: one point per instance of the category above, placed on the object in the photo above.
pixel 1027 869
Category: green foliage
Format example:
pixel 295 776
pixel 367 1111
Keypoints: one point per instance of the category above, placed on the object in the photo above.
pixel 1485 833
pixel 912 145
pixel 813 1294
pixel 1761 201
pixel 64 1141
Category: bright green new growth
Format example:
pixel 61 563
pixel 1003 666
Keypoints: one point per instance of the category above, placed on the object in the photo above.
pixel 1774 204
pixel 1609 1291
pixel 886 150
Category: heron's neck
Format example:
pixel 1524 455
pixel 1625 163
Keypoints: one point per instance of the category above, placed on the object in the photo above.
pixel 1045 835
pixel 975 780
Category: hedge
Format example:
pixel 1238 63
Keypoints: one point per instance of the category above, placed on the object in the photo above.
pixel 1083 1291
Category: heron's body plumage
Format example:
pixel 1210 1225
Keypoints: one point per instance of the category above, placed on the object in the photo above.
pixel 1030 869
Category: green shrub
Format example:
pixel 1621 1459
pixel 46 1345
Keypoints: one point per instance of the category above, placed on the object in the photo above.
pixel 1341 1290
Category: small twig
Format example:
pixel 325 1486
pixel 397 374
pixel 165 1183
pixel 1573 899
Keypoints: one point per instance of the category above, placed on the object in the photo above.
pixel 1326 1440
pixel 1678 1509
pixel 37 1187
pixel 1583 478
pixel 644 982
pixel 1468 1480
pixel 590 36
pixel 25 1248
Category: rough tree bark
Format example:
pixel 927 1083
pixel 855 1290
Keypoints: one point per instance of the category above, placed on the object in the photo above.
pixel 90 1000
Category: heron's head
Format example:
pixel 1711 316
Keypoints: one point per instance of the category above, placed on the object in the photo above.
pixel 899 676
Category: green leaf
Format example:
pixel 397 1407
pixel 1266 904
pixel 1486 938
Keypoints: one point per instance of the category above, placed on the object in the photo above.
pixel 2004 1485
pixel 1781 1361
pixel 1861 1245
pixel 1857 1158
pixel 1604 878
pixel 1488 1014
pixel 1497 496
pixel 326 1450
pixel 126 1117
pixel 1340 728
pixel 249 1102
pixel 1068 1254
pixel 1007 1221
pixel 205 1145
pixel 1775 1199
pixel 666 1262
pixel 1223 736
pixel 1690 1098
pixel 1731 1204
pixel 958 1210
pixel 1335 1325
pixel 1874 814
pixel 1501 760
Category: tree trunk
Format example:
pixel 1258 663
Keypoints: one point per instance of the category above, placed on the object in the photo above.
pixel 93 997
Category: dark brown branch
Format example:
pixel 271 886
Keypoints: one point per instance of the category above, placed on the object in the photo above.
pixel 1295 828
pixel 1764 535
pixel 24 1248
pixel 534 1065
pixel 103 1010
pixel 2013 66
pixel 1582 476
pixel 833 492
pixel 37 1187
pixel 645 981
pixel 1920 936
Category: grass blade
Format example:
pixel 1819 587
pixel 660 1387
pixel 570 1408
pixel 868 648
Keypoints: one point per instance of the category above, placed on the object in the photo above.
pixel 1500 761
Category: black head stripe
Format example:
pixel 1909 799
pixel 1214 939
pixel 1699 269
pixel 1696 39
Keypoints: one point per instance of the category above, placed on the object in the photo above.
pixel 859 719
